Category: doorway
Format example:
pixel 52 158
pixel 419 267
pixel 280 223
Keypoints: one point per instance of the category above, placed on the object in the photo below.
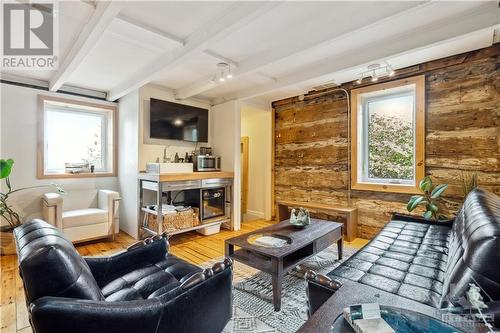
pixel 256 148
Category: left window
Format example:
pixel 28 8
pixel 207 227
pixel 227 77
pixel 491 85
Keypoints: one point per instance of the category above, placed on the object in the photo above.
pixel 76 139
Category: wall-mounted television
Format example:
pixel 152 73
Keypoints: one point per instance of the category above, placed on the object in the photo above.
pixel 174 121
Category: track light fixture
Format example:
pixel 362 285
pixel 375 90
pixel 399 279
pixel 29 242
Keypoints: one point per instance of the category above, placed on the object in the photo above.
pixel 223 72
pixel 375 71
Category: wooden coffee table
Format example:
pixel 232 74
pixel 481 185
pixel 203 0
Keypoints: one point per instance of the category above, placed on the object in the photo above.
pixel 277 261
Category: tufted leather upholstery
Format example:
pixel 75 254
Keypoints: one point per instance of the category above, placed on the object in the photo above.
pixel 143 289
pixel 432 263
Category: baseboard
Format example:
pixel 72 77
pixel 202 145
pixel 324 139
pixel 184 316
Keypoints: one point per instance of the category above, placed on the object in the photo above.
pixel 253 215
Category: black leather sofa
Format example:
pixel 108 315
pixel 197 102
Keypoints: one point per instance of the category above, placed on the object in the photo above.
pixel 432 263
pixel 144 289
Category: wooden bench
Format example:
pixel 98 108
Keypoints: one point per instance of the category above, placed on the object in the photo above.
pixel 351 225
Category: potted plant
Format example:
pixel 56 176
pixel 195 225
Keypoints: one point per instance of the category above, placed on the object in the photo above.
pixel 430 197
pixel 7 213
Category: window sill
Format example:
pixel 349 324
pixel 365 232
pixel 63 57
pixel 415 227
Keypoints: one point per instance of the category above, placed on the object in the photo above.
pixel 390 188
pixel 76 175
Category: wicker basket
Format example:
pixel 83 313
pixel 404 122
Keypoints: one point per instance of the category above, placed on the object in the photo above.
pixel 177 221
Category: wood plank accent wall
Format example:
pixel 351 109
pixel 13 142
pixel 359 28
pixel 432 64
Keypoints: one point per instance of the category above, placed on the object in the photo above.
pixel 462 133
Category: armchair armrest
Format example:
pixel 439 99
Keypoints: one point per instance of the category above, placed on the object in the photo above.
pixel 62 315
pixel 319 289
pixel 109 201
pixel 106 269
pixel 52 207
pixel 105 199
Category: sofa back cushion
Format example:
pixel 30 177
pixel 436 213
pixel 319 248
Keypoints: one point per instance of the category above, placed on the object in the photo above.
pixel 474 248
pixel 50 265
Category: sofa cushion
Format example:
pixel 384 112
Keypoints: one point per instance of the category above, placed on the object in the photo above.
pixel 474 248
pixel 50 265
pixel 150 281
pixel 405 258
pixel 81 217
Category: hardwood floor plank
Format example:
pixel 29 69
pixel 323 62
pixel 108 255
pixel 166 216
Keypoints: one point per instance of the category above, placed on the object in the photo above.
pixel 8 318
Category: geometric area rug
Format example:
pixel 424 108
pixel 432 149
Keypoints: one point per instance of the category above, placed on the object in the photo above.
pixel 253 310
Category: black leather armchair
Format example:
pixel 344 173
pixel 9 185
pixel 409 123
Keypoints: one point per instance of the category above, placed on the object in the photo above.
pixel 144 289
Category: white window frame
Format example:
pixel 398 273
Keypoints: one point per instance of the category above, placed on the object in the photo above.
pixel 108 115
pixel 360 98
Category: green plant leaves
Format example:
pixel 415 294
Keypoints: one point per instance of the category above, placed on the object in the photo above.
pixel 432 207
pixel 414 202
pixel 5 167
pixel 438 190
pixel 425 184
pixel 428 215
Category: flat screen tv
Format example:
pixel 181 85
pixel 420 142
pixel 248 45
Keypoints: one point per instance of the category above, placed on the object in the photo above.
pixel 175 121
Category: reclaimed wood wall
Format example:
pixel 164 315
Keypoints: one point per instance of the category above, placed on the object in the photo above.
pixel 462 134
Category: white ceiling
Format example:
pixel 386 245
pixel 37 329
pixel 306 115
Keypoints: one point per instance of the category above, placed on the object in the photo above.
pixel 276 49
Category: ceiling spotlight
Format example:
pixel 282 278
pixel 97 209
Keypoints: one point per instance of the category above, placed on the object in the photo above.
pixel 222 79
pixel 360 80
pixel 229 75
pixel 178 122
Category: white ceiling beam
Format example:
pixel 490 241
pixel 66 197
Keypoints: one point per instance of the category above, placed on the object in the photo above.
pixel 238 15
pixel 105 12
pixel 304 41
pixel 473 20
pixel 151 29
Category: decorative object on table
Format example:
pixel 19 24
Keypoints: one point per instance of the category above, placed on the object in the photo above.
pixel 299 217
pixel 400 320
pixel 7 212
pixel 430 199
pixel 474 297
pixel 92 168
pixel 366 318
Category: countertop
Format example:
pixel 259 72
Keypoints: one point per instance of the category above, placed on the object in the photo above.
pixel 171 177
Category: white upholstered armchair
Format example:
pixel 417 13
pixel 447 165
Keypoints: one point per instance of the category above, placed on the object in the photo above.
pixel 83 215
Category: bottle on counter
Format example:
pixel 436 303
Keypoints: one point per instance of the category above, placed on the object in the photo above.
pixel 186 158
pixel 176 158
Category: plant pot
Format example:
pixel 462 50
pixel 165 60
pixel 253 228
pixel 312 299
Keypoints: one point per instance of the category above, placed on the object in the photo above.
pixel 7 245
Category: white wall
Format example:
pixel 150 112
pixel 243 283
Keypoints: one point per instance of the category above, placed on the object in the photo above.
pixel 256 124
pixel 225 137
pixel 18 137
pixel 128 162
pixel 150 149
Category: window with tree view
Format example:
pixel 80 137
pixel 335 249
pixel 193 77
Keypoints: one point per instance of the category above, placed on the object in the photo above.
pixel 389 147
pixel 77 138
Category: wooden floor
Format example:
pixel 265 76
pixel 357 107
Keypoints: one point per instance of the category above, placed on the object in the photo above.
pixel 190 246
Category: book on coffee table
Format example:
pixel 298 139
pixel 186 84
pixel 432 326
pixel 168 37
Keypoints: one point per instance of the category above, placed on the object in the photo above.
pixel 366 318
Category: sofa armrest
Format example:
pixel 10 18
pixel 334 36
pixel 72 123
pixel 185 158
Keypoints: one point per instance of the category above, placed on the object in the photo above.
pixel 106 269
pixel 63 315
pixel 52 207
pixel 319 288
